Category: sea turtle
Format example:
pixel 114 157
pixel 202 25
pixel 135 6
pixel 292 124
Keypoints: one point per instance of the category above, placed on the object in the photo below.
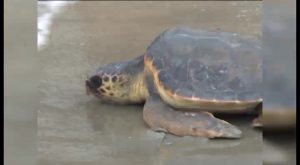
pixel 184 76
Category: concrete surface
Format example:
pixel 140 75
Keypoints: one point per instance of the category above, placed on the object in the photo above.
pixel 74 129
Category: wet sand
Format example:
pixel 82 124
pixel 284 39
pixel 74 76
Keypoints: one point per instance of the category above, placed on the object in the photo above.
pixel 74 128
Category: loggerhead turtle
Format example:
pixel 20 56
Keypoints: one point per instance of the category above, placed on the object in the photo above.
pixel 183 77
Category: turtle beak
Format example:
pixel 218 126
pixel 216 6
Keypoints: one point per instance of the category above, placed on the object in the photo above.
pixel 92 84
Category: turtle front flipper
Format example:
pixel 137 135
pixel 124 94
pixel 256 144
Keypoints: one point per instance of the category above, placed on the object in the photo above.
pixel 161 117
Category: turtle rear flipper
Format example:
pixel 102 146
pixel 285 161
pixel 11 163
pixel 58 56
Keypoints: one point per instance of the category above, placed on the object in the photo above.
pixel 161 117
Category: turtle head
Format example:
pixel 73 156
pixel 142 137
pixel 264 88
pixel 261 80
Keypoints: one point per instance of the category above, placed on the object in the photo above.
pixel 109 83
pixel 118 82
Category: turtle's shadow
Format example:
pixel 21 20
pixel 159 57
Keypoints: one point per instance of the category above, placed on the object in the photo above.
pixel 237 118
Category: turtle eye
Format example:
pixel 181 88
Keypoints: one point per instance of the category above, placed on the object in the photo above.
pixel 114 78
pixel 96 81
